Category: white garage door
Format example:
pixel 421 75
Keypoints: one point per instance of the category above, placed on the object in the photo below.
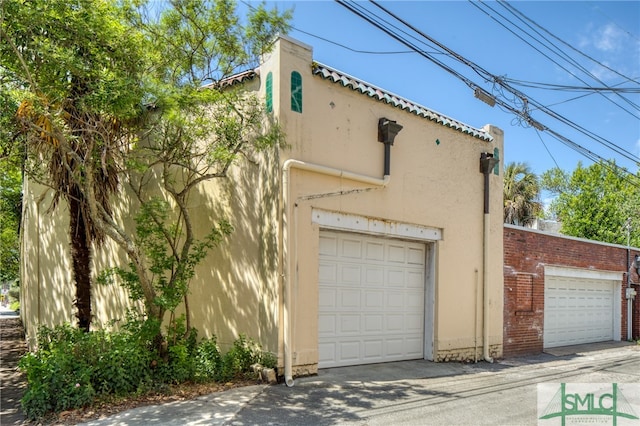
pixel 578 310
pixel 371 299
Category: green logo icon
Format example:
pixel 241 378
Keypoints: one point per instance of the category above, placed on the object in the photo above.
pixel 586 403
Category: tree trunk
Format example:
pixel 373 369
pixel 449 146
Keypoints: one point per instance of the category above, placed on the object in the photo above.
pixel 81 260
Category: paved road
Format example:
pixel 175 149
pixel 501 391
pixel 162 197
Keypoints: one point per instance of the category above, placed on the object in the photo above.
pixel 504 393
pixel 407 393
pixel 12 382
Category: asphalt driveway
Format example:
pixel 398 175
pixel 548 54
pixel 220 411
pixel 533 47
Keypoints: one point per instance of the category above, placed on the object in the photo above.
pixel 424 393
pixel 407 393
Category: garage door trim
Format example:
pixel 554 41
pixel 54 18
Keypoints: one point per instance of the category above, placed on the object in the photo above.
pixel 372 226
pixel 563 271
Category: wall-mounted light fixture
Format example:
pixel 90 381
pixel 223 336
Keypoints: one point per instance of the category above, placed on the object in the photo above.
pixel 636 263
pixel 387 131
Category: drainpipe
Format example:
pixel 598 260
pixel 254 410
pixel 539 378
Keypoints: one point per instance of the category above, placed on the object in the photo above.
pixel 487 163
pixel 629 299
pixel 39 202
pixel 387 131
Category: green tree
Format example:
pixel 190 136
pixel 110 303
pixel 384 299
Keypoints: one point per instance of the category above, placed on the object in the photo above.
pixel 521 194
pixel 10 212
pixel 596 202
pixel 111 95
pixel 10 195
pixel 72 67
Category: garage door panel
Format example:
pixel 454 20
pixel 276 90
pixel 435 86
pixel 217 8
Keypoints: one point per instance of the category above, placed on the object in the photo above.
pixel 350 324
pixel 396 253
pixel 348 299
pixel 413 323
pixel 375 276
pixel 378 315
pixel 578 310
pixel 415 279
pixel 328 273
pixel 327 298
pixel 374 251
pixel 373 349
pixel 328 245
pixel 350 350
pixel 374 323
pixel 394 323
pixel 350 275
pixel 351 248
pixel 327 325
pixel 414 346
pixel 327 352
pixel 374 299
pixel 416 256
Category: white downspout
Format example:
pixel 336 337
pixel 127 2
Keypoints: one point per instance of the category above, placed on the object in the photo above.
pixel 487 163
pixel 287 232
pixel 485 290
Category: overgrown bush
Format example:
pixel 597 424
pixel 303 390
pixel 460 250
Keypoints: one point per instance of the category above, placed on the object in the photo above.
pixel 71 369
pixel 237 362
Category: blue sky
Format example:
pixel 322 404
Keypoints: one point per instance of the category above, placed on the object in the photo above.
pixel 608 32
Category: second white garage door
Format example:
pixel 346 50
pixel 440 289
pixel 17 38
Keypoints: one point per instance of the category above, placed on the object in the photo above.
pixel 578 310
pixel 371 299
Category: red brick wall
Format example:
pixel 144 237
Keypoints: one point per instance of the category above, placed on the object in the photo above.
pixel 526 252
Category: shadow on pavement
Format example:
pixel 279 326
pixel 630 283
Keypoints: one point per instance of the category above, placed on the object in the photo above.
pixel 12 382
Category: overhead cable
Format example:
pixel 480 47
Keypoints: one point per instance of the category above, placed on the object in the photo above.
pixel 522 112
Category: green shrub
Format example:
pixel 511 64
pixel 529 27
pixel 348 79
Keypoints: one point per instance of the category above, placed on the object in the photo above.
pixel 269 360
pixel 72 368
pixel 238 361
pixel 208 360
pixel 57 379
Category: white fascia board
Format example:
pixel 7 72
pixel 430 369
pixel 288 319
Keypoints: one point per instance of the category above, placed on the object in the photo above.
pixel 357 223
pixel 563 271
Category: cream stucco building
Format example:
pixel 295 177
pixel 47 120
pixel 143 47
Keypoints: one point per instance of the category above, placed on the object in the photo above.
pixel 364 240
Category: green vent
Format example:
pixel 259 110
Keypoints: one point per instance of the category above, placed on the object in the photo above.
pixel 296 92
pixel 269 92
pixel 496 155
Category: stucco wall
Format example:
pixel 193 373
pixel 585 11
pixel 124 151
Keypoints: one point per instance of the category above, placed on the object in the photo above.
pixel 241 286
pixel 47 291
pixel 435 182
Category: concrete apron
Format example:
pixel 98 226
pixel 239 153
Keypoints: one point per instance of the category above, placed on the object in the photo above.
pixel 422 369
pixel 585 348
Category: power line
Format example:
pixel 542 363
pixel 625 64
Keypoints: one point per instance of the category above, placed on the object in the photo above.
pixel 561 54
pixel 369 52
pixel 523 112
pixel 526 100
pixel 516 11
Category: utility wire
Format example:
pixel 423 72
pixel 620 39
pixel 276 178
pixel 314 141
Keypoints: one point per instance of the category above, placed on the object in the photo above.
pixel 523 16
pixel 522 113
pixel 369 52
pixel 547 148
pixel 501 23
pixel 526 100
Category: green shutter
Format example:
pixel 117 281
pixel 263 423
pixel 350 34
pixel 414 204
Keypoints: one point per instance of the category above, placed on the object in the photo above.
pixel 269 92
pixel 496 155
pixel 296 92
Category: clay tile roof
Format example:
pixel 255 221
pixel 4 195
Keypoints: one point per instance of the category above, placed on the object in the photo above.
pixel 372 91
pixel 232 80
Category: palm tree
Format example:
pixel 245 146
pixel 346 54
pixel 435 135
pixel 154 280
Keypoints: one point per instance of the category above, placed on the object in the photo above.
pixel 70 158
pixel 521 194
